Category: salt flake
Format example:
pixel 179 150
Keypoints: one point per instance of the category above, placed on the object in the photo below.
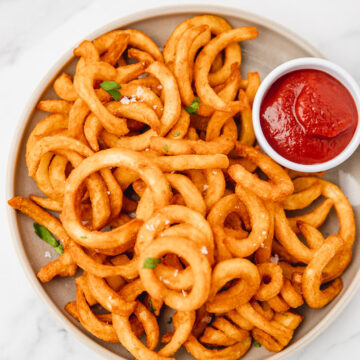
pixel 204 250
pixel 125 100
pixel 150 227
pixel 139 91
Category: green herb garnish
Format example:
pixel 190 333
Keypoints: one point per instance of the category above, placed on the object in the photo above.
pixel 166 148
pixel 257 345
pixel 43 233
pixel 177 134
pixel 150 263
pixel 83 237
pixel 152 309
pixel 112 88
pixel 193 107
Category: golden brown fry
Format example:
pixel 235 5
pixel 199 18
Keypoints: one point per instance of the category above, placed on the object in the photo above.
pixel 311 280
pixel 172 103
pixel 64 87
pixel 206 58
pixel 276 188
pixel 124 235
pixel 55 106
pixel 242 292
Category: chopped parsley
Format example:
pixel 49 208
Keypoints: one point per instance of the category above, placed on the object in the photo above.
pixel 43 233
pixel 152 309
pixel 150 263
pixel 112 88
pixel 195 105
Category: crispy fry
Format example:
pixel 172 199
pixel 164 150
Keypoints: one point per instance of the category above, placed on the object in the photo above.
pixel 206 58
pixel 220 302
pixel 279 185
pixel 311 281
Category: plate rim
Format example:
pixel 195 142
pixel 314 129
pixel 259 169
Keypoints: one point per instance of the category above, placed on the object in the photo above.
pixel 28 109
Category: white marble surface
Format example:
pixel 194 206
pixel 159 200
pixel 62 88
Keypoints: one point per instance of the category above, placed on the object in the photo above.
pixel 33 34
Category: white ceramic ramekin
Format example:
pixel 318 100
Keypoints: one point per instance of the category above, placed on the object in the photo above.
pixel 298 64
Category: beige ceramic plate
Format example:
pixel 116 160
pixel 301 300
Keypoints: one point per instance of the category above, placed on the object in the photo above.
pixel 273 46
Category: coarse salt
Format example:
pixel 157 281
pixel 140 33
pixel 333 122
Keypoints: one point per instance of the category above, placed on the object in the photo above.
pixel 176 272
pixel 159 87
pixel 262 245
pixel 183 292
pixel 167 282
pixel 150 227
pixel 47 254
pixel 125 100
pixel 205 187
pixel 204 250
pixel 139 91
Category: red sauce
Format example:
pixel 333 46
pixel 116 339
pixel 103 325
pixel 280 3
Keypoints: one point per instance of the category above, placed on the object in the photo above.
pixel 308 116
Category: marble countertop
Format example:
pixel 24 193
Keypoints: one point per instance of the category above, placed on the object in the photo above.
pixel 34 34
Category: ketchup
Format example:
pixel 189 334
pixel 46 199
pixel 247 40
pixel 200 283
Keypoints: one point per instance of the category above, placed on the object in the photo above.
pixel 308 117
